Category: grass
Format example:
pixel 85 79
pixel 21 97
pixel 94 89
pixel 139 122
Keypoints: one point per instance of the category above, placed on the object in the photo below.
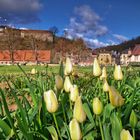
pixel 14 69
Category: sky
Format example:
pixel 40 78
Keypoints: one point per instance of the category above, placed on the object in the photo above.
pixel 98 22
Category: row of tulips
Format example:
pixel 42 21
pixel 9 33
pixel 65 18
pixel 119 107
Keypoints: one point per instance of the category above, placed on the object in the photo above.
pixel 61 110
pixel 79 115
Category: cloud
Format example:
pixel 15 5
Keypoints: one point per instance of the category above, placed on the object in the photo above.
pixel 86 24
pixel 95 43
pixel 111 42
pixel 120 38
pixel 19 11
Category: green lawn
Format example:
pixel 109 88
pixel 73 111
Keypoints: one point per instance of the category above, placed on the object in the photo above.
pixel 14 69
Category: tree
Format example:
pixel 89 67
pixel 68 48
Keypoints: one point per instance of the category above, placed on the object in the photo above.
pixel 35 48
pixel 54 31
pixel 11 39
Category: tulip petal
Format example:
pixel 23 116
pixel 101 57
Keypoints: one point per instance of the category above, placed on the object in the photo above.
pixel 79 112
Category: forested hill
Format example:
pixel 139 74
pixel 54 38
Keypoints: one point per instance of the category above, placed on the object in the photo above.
pixel 123 46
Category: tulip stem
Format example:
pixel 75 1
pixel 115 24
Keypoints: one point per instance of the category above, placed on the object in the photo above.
pixel 101 130
pixel 64 113
pixel 107 97
pixel 133 133
pixel 119 84
pixel 119 112
pixel 70 103
pixel 56 124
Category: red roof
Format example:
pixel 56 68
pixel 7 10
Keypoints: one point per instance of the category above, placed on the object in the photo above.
pixel 136 50
pixel 94 53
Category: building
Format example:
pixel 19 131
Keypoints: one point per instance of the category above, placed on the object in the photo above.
pixel 37 34
pixel 124 57
pixel 105 58
pixel 135 54
pixel 42 35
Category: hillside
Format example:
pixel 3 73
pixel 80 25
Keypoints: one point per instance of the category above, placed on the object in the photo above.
pixel 130 44
pixel 16 39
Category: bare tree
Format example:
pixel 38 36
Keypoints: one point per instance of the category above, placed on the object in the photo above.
pixel 35 48
pixel 11 39
pixel 54 31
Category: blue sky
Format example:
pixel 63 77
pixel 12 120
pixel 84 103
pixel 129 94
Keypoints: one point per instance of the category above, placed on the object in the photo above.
pixel 98 22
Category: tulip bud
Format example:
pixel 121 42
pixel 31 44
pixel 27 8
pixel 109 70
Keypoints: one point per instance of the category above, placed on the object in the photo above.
pixel 65 73
pixel 125 135
pixel 133 119
pixel 79 112
pixel 97 106
pixel 59 82
pixel 75 131
pixel 105 86
pixel 118 75
pixel 33 71
pixel 51 101
pixel 96 68
pixel 67 84
pixel 74 93
pixel 68 67
pixel 115 98
pixel 104 74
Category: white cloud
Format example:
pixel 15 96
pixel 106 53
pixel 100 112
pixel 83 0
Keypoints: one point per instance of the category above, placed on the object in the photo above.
pixel 86 22
pixel 111 42
pixel 20 11
pixel 120 38
pixel 95 43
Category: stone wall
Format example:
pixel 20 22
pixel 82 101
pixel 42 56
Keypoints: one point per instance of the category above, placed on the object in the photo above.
pixel 25 56
pixel 38 34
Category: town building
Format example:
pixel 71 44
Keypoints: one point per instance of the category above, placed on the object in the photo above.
pixel 42 35
pixel 37 34
pixel 124 57
pixel 135 54
pixel 105 58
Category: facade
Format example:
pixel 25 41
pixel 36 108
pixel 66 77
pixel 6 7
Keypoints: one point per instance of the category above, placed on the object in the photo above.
pixel 124 57
pixel 135 54
pixel 37 34
pixel 42 35
pixel 105 58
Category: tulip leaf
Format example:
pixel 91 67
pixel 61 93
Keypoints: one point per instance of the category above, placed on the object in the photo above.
pixel 5 127
pixel 88 128
pixel 67 130
pixel 61 69
pixel 129 107
pixel 106 129
pixel 107 112
pixel 53 132
pixel 88 113
pixel 116 126
pixel 21 126
pixel 89 136
pixel 7 111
